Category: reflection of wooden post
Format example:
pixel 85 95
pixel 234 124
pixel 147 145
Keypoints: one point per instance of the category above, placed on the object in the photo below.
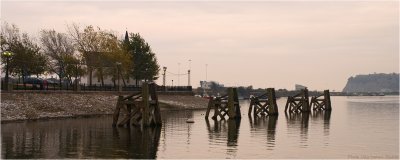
pixel 233 130
pixel 327 98
pixel 273 107
pixel 146 104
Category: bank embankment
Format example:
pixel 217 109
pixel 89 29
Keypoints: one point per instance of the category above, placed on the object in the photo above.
pixel 35 105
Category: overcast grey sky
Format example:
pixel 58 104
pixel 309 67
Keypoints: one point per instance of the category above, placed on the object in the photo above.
pixel 265 44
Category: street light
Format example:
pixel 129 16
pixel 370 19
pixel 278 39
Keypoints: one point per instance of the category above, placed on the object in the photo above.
pixel 164 69
pixel 118 64
pixel 179 66
pixel 7 55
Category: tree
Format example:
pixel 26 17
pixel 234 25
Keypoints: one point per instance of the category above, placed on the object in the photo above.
pixel 145 63
pixel 101 52
pixel 27 59
pixel 60 50
pixel 73 69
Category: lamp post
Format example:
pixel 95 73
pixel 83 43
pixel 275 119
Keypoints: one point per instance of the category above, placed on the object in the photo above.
pixel 189 71
pixel 7 55
pixel 119 86
pixel 179 68
pixel 164 69
pixel 206 71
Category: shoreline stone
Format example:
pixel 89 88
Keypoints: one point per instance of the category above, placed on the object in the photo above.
pixel 35 106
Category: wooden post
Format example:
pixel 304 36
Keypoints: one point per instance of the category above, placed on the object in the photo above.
pixel 273 107
pixel 209 107
pixel 327 98
pixel 287 103
pixel 154 98
pixel 236 103
pixel 252 99
pixel 129 109
pixel 305 101
pixel 231 103
pixel 116 111
pixel 145 103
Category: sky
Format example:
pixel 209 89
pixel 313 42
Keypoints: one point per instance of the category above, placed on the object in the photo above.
pixel 278 44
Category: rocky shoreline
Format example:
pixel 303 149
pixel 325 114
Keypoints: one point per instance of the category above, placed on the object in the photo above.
pixel 34 106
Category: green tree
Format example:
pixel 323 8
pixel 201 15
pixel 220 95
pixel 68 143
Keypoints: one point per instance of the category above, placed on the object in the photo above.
pixel 145 62
pixel 27 59
pixel 73 68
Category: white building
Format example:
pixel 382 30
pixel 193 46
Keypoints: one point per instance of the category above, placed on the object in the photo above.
pixel 299 87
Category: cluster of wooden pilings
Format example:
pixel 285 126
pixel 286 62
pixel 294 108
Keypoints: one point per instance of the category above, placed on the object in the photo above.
pixel 142 109
pixel 265 104
pixel 321 102
pixel 227 105
pixel 300 102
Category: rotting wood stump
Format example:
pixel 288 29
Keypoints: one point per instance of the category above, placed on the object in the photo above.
pixel 298 102
pixel 321 102
pixel 141 108
pixel 264 104
pixel 225 105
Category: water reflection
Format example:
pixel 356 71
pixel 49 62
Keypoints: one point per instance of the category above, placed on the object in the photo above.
pixel 77 139
pixel 263 123
pixel 230 126
pixel 356 126
pixel 298 120
pixel 139 143
pixel 225 129
pixel 325 116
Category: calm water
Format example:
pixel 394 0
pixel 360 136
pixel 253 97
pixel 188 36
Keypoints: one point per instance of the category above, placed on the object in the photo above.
pixel 357 127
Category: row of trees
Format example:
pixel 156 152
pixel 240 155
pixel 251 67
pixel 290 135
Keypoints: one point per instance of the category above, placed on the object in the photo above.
pixel 89 51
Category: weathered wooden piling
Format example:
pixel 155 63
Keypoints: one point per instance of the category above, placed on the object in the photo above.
pixel 141 108
pixel 321 102
pixel 225 105
pixel 298 102
pixel 264 104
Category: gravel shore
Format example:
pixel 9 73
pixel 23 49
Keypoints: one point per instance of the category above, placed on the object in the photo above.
pixel 32 106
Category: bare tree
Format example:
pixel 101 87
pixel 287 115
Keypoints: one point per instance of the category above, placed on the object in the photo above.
pixel 59 48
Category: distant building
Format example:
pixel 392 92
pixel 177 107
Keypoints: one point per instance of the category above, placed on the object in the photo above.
pixel 205 84
pixel 108 80
pixel 210 84
pixel 299 87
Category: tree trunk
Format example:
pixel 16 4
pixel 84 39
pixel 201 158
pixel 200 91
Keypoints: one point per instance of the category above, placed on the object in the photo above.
pixel 113 79
pixel 123 80
pixel 90 75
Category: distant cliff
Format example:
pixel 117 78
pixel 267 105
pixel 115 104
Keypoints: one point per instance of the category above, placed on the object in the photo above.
pixel 373 83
